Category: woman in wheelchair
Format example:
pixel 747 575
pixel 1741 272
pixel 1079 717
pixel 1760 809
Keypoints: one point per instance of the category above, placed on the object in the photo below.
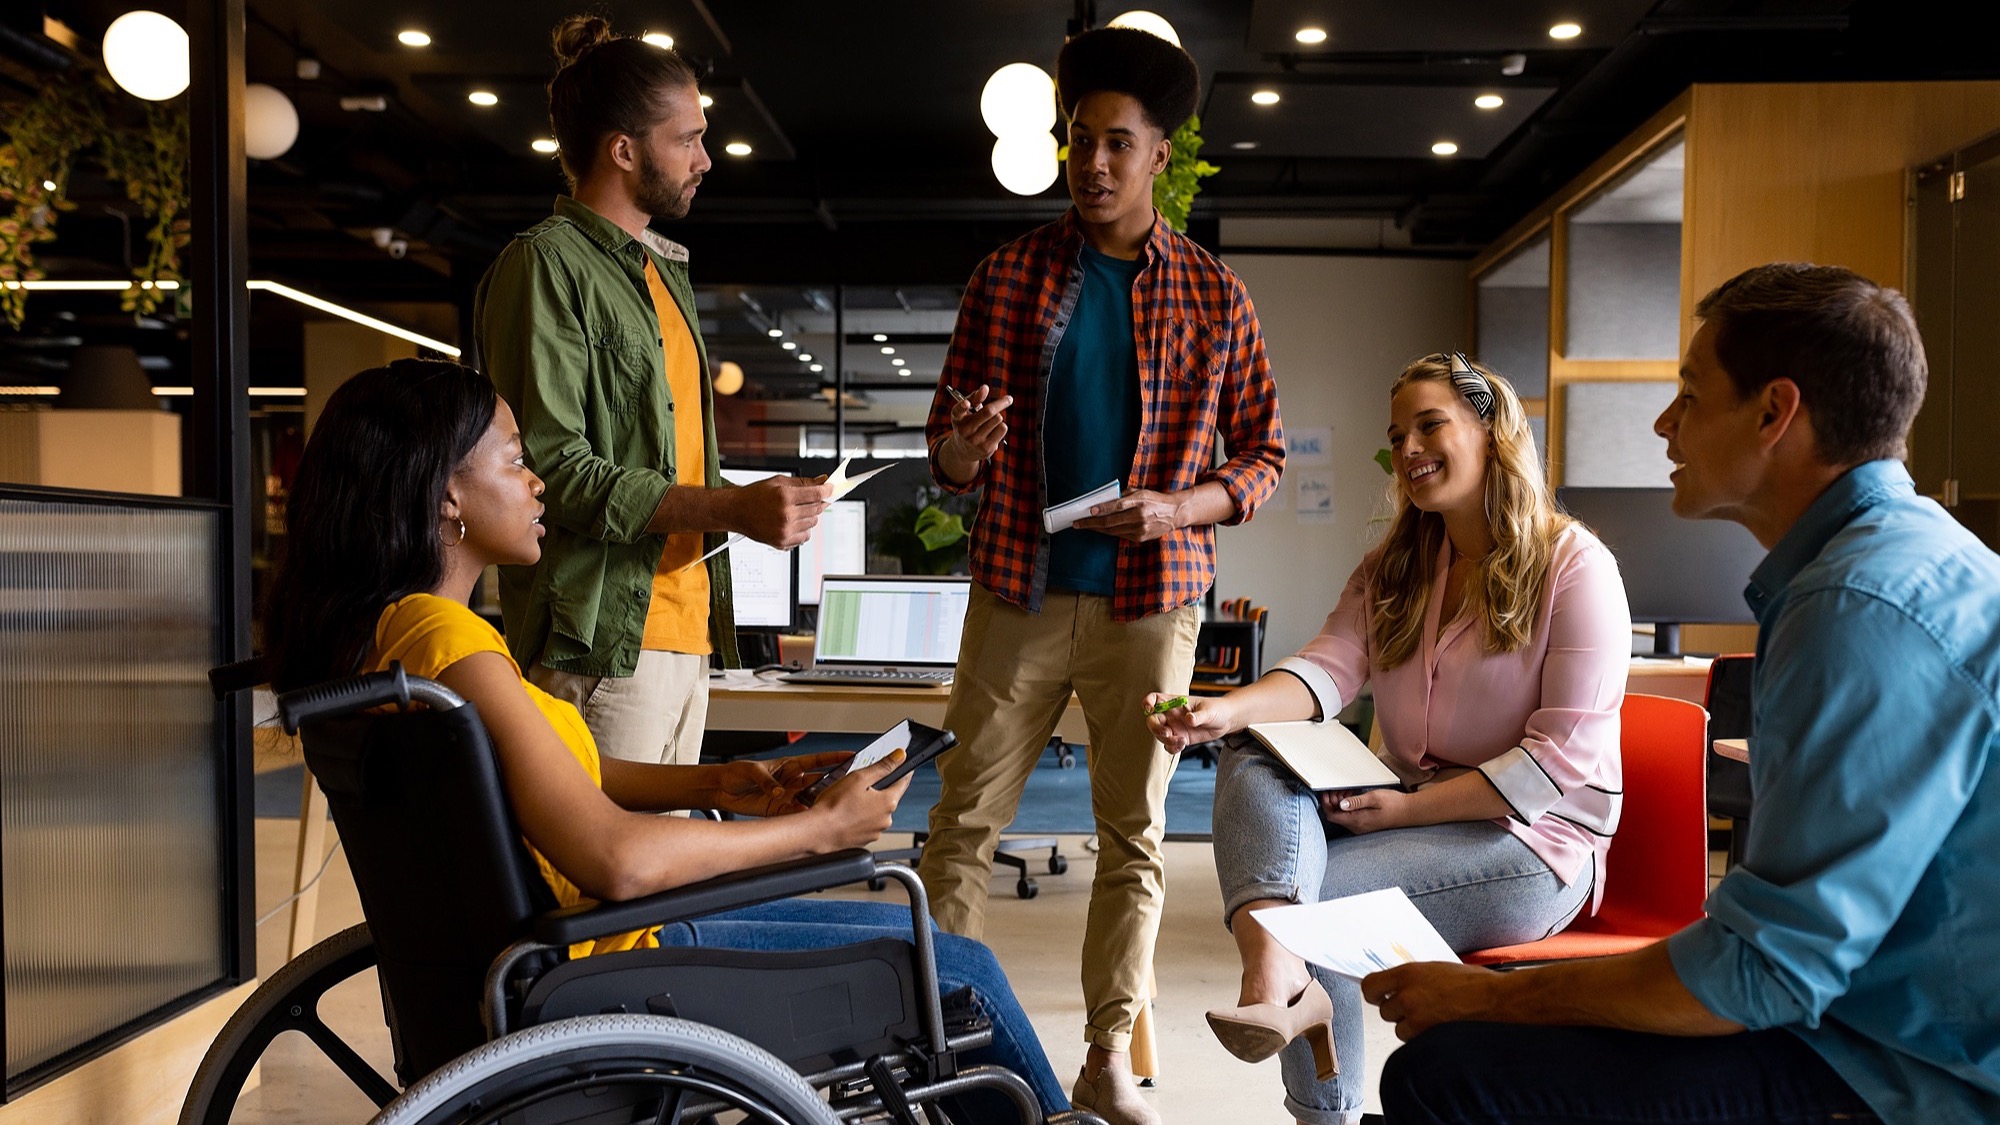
pixel 412 484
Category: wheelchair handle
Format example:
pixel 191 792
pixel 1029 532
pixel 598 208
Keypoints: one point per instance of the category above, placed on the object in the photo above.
pixel 360 693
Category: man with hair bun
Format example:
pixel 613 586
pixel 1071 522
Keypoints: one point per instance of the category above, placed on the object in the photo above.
pixel 587 325
pixel 1103 347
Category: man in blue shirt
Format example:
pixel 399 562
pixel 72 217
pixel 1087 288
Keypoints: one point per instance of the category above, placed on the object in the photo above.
pixel 1849 969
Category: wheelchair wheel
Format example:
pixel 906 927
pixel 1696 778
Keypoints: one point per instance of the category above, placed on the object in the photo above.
pixel 611 1068
pixel 289 1001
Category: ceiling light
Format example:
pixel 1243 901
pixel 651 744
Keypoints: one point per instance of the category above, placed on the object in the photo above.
pixel 326 306
pixel 736 148
pixel 1565 31
pixel 1265 97
pixel 1149 22
pixel 899 361
pixel 1018 99
pixel 728 377
pixel 790 345
pixel 1310 36
pixel 906 373
pixel 881 337
pixel 50 185
pixel 1489 101
pixel 1025 163
pixel 270 122
pixel 1445 148
pixel 1244 146
pixel 888 351
pixel 774 333
pixel 483 97
pixel 706 101
pixel 544 145
pixel 413 38
pixel 817 368
pixel 659 39
pixel 147 55
pixel 805 357
pixel 1514 64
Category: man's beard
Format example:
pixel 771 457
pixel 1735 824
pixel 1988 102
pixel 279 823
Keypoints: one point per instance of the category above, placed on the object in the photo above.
pixel 659 197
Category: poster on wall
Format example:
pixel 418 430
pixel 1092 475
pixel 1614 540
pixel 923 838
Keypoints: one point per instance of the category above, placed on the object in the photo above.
pixel 1312 445
pixel 1315 494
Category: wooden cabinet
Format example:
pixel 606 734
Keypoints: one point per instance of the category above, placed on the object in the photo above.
pixel 1955 289
pixel 1761 173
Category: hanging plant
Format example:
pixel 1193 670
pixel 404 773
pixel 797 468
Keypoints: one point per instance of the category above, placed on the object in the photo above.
pixel 1174 189
pixel 71 117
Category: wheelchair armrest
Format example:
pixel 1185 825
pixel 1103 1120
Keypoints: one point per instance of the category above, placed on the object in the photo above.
pixel 712 896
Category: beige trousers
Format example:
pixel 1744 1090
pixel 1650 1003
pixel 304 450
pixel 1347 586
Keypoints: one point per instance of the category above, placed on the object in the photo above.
pixel 1016 671
pixel 655 715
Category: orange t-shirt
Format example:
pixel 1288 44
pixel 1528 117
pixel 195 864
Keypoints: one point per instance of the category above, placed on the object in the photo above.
pixel 677 619
pixel 429 634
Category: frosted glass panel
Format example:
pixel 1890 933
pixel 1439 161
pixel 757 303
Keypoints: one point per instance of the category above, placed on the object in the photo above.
pixel 1513 312
pixel 111 840
pixel 1608 438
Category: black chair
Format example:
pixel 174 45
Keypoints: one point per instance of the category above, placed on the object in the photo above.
pixel 492 1021
pixel 1728 703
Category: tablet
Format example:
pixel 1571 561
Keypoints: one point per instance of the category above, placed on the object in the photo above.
pixel 919 743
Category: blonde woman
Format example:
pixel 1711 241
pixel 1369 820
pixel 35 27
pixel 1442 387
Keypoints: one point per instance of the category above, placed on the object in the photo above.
pixel 1496 633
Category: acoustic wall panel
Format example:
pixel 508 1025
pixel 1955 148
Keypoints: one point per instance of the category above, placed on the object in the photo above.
pixel 1608 438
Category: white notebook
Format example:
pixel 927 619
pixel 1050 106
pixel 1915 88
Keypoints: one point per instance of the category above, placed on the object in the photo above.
pixel 1325 755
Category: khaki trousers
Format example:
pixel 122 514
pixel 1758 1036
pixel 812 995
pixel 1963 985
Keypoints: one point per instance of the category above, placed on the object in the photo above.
pixel 1016 671
pixel 655 715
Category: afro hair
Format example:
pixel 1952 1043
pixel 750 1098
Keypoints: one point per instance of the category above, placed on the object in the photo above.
pixel 1160 76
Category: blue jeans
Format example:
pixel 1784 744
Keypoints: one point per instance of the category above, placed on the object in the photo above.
pixel 815 923
pixel 1508 1074
pixel 1477 883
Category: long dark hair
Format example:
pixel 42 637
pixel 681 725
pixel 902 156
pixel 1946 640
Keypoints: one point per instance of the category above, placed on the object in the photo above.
pixel 362 522
pixel 607 84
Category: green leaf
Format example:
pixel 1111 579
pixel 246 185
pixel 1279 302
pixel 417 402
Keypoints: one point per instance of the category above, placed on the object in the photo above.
pixel 938 528
pixel 1382 459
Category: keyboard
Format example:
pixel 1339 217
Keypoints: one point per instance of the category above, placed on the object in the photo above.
pixel 940 677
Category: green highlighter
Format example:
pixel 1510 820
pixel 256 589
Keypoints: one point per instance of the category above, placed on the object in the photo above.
pixel 1168 704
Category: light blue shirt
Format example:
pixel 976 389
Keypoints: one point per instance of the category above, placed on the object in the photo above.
pixel 1865 916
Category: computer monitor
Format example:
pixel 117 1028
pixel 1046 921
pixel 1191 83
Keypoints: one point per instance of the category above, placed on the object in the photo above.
pixel 1675 570
pixel 839 545
pixel 765 579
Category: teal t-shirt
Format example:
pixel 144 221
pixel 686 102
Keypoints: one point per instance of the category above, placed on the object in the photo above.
pixel 1090 429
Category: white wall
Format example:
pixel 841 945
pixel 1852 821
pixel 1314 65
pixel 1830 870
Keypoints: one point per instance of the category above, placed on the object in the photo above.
pixel 1339 330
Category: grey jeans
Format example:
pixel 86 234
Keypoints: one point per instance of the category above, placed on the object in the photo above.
pixel 1477 883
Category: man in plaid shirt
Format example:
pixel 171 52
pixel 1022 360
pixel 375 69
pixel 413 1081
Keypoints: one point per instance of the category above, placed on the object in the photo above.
pixel 1101 347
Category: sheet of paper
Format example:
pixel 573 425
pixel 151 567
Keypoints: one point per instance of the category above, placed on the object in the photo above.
pixel 1063 516
pixel 894 739
pixel 1357 935
pixel 842 485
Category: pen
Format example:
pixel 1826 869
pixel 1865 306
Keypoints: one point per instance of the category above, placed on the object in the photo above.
pixel 962 398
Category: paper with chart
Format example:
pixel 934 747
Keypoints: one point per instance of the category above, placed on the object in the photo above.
pixel 1357 935
pixel 1063 516
pixel 842 485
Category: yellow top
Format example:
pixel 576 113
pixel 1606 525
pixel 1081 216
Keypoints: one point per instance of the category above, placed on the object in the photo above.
pixel 677 620
pixel 430 634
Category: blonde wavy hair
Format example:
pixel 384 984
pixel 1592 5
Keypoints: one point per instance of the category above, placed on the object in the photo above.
pixel 1520 511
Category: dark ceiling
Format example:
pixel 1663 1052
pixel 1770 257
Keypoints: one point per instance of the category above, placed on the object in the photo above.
pixel 870 162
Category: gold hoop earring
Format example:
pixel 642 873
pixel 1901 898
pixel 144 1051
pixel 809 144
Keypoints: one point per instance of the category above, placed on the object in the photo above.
pixel 461 535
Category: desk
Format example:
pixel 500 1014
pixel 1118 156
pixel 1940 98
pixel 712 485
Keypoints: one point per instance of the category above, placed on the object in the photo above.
pixel 740 700
pixel 1735 749
pixel 1676 678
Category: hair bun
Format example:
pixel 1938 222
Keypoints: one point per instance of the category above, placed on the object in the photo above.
pixel 575 37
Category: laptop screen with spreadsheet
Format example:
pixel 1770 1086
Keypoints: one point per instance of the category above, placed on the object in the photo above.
pixel 901 621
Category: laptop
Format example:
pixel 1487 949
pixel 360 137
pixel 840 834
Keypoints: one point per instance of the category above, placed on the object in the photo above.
pixel 887 630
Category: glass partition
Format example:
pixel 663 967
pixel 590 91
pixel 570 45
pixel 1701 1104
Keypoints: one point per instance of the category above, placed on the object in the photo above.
pixel 1512 300
pixel 1623 275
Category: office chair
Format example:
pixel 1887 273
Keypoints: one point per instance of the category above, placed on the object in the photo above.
pixel 490 1016
pixel 1728 701
pixel 1657 877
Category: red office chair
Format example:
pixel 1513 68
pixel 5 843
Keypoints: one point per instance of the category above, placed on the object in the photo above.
pixel 1658 866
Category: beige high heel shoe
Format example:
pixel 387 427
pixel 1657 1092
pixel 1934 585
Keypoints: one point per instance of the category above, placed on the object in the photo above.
pixel 1255 1032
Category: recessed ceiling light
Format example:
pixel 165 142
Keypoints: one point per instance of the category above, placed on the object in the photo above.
pixel 483 97
pixel 1445 148
pixel 1310 35
pixel 659 39
pixel 790 345
pixel 1565 31
pixel 1489 101
pixel 888 351
pixel 805 357
pixel 774 333
pixel 906 373
pixel 817 368
pixel 706 101
pixel 415 38
pixel 899 361
pixel 881 337
pixel 1245 146
pixel 48 185
pixel 736 148
pixel 1265 97
pixel 544 145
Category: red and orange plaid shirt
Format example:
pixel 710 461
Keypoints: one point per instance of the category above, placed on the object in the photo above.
pixel 1208 409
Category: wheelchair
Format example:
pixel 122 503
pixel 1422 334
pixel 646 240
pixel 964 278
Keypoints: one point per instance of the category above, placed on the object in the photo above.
pixel 491 1020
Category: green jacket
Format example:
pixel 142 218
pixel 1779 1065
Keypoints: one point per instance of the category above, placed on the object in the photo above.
pixel 568 333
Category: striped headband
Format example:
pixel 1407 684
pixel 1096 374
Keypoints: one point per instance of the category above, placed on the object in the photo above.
pixel 1473 386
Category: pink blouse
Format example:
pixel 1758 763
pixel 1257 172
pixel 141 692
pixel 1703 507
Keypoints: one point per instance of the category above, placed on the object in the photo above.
pixel 1541 723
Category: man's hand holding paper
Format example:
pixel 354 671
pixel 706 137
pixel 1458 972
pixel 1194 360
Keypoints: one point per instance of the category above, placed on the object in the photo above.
pixel 1139 516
